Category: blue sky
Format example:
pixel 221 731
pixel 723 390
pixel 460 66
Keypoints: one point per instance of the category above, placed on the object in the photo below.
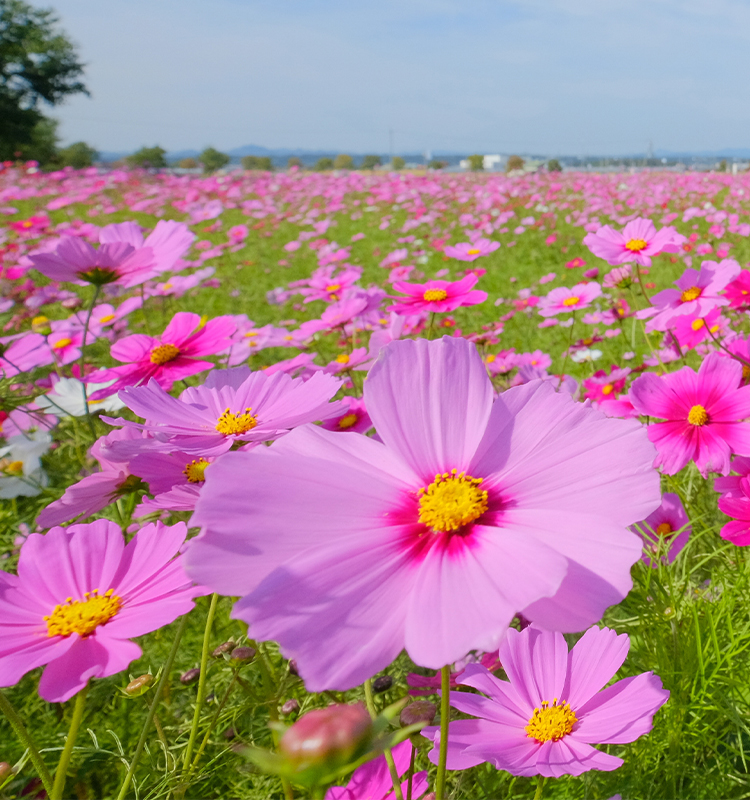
pixel 547 76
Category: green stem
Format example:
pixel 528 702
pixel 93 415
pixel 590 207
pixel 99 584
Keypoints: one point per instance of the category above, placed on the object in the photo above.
pixel 90 421
pixel 412 761
pixel 369 700
pixel 75 723
pixel 25 739
pixel 445 711
pixel 432 325
pixel 567 351
pixel 152 710
pixel 201 686
pixel 539 787
pixel 643 288
pixel 213 722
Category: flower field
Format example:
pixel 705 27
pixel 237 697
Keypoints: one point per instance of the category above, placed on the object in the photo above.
pixel 367 485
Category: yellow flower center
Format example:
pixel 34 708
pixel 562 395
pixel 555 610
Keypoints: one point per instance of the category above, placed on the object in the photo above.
pixel 107 318
pixel 333 287
pixel 490 358
pixel 347 421
pixel 698 416
pixel 164 353
pixel 39 321
pixel 11 467
pixel 27 224
pixel 664 529
pixel 451 501
pixel 745 372
pixel 434 295
pixel 83 616
pixel 195 470
pixel 607 389
pixel 697 324
pixel 473 252
pixel 693 293
pixel 571 301
pixel 636 245
pixel 235 424
pixel 342 359
pixel 250 334
pixel 551 722
pixel 61 343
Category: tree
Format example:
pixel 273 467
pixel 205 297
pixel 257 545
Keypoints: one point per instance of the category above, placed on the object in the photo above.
pixel 323 164
pixel 293 161
pixel 370 162
pixel 343 161
pixel 476 162
pixel 437 164
pixel 514 163
pixel 553 165
pixel 148 157
pixel 257 162
pixel 42 145
pixel 77 155
pixel 37 64
pixel 187 163
pixel 213 159
pixel 398 163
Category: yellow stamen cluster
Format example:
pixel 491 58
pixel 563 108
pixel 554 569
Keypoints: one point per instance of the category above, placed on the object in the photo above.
pixel 342 359
pixel 473 252
pixel 693 293
pixel 195 470
pixel 83 616
pixel 164 353
pixel 11 467
pixel 347 421
pixel 664 529
pixel 434 295
pixel 571 301
pixel 697 416
pixel 333 287
pixel 608 388
pixel 106 318
pixel 697 324
pixel 61 343
pixel 236 424
pixel 551 722
pixel 451 501
pixel 636 245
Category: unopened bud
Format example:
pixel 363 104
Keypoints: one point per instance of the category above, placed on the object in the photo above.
pixel 5 770
pixel 326 736
pixel 139 685
pixel 191 676
pixel 227 647
pixel 382 684
pixel 418 711
pixel 230 733
pixel 293 668
pixel 243 654
pixel 290 707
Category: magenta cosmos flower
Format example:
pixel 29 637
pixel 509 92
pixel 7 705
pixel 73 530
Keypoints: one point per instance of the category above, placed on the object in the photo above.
pixel 735 502
pixel 437 296
pixel 703 413
pixel 466 251
pixel 79 597
pixel 545 717
pixel 170 357
pixel 563 299
pixel 665 531
pixel 638 241
pixel 348 550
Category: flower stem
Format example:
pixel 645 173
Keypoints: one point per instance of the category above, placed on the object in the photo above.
pixel 387 753
pixel 539 787
pixel 643 288
pixel 213 722
pixel 445 711
pixel 24 737
pixel 412 761
pixel 75 723
pixel 86 324
pixel 152 710
pixel 201 686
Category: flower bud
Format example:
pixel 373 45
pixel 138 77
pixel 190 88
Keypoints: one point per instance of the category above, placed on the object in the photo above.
pixel 382 684
pixel 326 736
pixel 139 685
pixel 243 655
pixel 290 707
pixel 227 647
pixel 418 711
pixel 191 676
pixel 293 668
pixel 5 770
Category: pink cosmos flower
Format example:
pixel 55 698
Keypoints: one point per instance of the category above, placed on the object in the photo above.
pixel 232 406
pixel 353 417
pixel 638 241
pixel 437 296
pixel 174 478
pixel 421 685
pixel 603 385
pixel 735 502
pixel 79 597
pixel 167 243
pixel 24 353
pixel 704 413
pixel 738 291
pixel 563 299
pixel 690 330
pixel 575 263
pixel 471 251
pixel 466 512
pixel 544 719
pixel 665 530
pixel 372 780
pixel 168 358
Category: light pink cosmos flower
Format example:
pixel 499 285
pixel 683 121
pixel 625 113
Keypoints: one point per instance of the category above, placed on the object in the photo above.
pixel 665 530
pixel 372 780
pixel 563 299
pixel 168 358
pixel 638 241
pixel 24 352
pixel 471 251
pixel 697 294
pixel 166 244
pixel 79 597
pixel 437 296
pixel 735 502
pixel 703 413
pixel 174 478
pixel 544 719
pixel 432 539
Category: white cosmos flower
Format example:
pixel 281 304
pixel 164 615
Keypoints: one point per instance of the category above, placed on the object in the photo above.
pixel 21 473
pixel 66 399
pixel 586 354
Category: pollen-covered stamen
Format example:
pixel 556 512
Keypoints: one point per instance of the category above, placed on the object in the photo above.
pixel 11 467
pixel 195 471
pixel 697 416
pixel 434 295
pixel 571 301
pixel 636 245
pixel 475 251
pixel 451 502
pixel 333 287
pixel 236 424
pixel 664 529
pixel 693 293
pixel 343 358
pixel 164 353
pixel 347 421
pixel 607 389
pixel 62 343
pixel 83 616
pixel 551 722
